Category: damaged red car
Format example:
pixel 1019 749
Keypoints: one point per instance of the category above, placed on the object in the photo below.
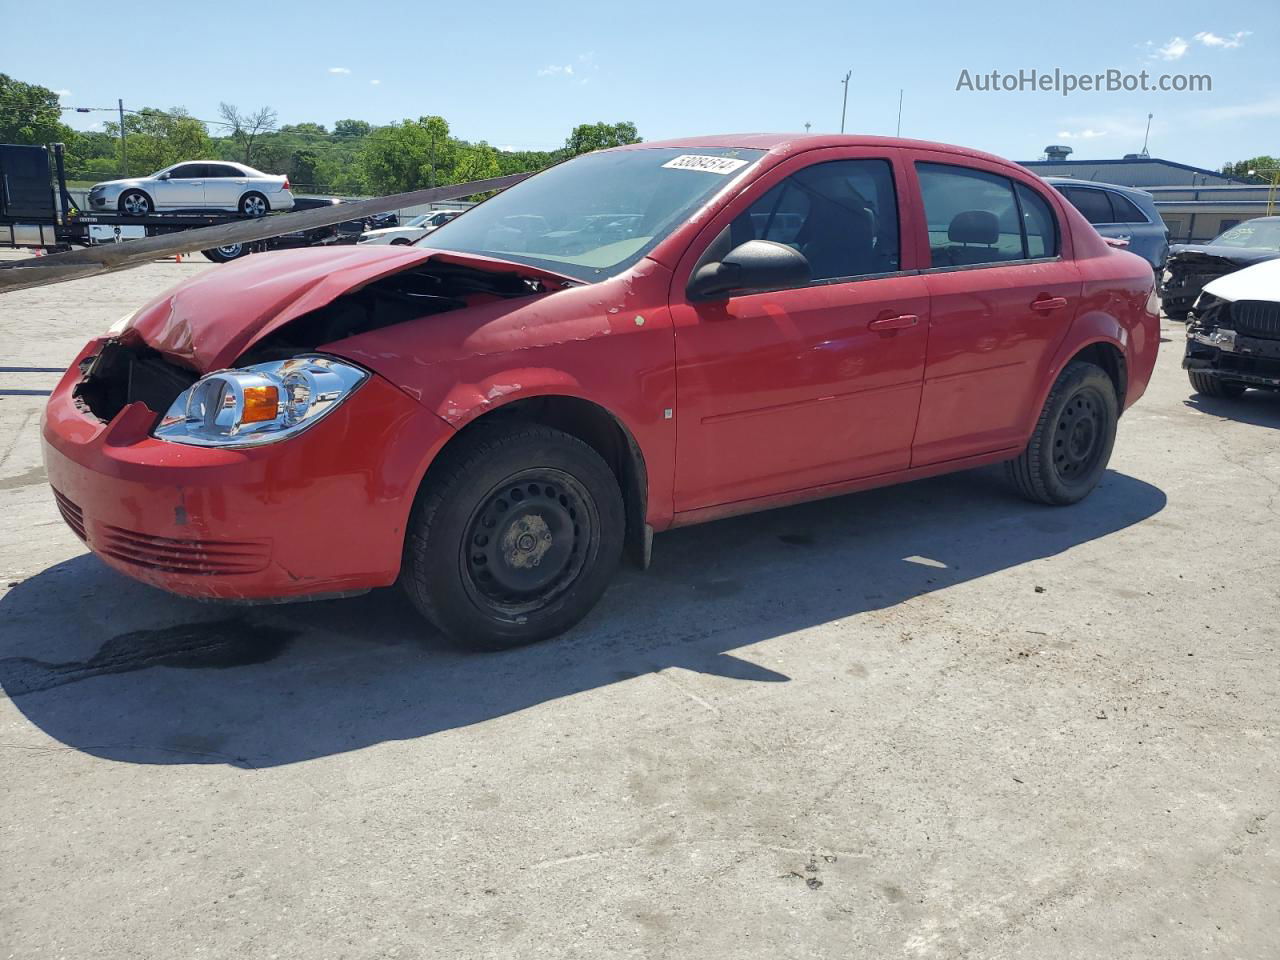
pixel 633 340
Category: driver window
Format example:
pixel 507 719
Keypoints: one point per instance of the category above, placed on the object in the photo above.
pixel 841 215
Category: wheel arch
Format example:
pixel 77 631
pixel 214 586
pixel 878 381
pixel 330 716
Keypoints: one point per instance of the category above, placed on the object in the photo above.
pixel 588 421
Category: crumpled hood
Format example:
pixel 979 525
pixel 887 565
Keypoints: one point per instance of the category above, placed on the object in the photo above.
pixel 209 321
pixel 1241 255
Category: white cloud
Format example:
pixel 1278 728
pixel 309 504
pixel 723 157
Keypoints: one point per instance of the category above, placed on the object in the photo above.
pixel 374 83
pixel 1086 134
pixel 63 93
pixel 556 70
pixel 1175 49
pixel 1229 42
pixel 340 70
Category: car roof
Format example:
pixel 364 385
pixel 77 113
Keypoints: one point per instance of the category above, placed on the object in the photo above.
pixel 1098 185
pixel 782 143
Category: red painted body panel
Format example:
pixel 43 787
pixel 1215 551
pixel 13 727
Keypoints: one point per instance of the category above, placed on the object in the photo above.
pixel 736 405
pixel 328 511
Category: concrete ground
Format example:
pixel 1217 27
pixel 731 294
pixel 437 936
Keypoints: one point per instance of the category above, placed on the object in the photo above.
pixel 930 721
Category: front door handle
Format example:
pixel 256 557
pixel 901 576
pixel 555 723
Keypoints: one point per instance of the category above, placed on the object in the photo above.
pixel 894 323
pixel 1048 303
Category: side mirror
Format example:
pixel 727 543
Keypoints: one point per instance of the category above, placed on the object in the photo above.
pixel 754 265
pixel 163 176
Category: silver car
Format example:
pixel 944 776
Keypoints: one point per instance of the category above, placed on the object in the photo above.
pixel 195 185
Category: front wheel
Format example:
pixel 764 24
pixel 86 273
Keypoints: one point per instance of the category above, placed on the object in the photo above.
pixel 515 537
pixel 1072 441
pixel 253 205
pixel 135 203
pixel 1211 386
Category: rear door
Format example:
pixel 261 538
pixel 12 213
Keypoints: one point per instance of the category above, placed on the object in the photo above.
pixel 1002 297
pixel 796 388
pixel 223 186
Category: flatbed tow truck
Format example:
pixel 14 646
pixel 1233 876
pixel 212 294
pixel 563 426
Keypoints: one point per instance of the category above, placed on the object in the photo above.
pixel 37 211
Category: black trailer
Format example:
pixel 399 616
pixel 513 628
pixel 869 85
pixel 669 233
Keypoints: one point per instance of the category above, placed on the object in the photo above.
pixel 37 211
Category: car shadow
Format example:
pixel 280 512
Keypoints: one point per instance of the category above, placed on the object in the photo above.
pixel 1258 407
pixel 121 671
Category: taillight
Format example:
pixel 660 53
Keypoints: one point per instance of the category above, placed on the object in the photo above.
pixel 286 184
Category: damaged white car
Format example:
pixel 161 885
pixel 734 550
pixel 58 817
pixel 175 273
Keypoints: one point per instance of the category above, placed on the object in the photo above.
pixel 1233 337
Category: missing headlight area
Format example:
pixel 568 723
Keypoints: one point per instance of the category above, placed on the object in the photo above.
pixel 124 373
pixel 433 288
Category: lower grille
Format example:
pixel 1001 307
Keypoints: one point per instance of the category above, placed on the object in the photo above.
pixel 190 557
pixel 1259 318
pixel 72 514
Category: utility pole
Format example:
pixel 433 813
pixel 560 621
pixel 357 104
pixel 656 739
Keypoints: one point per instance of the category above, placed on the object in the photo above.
pixel 807 125
pixel 899 133
pixel 124 153
pixel 1147 136
pixel 844 106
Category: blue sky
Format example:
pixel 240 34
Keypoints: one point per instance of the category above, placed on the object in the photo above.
pixel 522 74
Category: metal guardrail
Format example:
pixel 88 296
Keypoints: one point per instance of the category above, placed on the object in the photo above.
pixel 74 264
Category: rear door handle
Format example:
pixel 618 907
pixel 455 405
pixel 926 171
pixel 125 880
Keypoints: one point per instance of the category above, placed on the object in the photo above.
pixel 894 323
pixel 1048 303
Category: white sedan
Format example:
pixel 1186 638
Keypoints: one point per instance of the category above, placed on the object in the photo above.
pixel 203 185
pixel 411 230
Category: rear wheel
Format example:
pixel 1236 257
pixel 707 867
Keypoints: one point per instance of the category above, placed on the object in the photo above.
pixel 232 251
pixel 135 203
pixel 1072 441
pixel 515 537
pixel 1210 386
pixel 254 205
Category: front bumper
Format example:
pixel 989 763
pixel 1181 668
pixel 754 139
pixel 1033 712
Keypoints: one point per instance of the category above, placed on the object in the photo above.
pixel 1233 356
pixel 320 513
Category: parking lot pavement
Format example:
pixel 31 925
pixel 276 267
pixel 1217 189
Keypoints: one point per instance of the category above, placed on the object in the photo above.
pixel 930 721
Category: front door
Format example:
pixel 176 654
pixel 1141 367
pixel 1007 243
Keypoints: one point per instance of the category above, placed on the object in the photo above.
pixel 183 190
pixel 1002 298
pixel 792 389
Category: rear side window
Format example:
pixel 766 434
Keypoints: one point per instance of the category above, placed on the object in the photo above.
pixel 973 216
pixel 1092 203
pixel 1038 223
pixel 222 170
pixel 1126 210
pixel 842 215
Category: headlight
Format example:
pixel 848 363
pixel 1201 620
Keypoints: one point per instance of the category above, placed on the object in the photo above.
pixel 259 404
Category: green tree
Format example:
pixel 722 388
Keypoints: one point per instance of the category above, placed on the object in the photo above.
pixel 1266 168
pixel 158 138
pixel 247 127
pixel 302 167
pixel 30 113
pixel 599 136
pixel 408 156
pixel 351 128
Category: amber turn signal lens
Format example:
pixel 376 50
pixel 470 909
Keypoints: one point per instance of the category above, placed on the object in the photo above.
pixel 260 404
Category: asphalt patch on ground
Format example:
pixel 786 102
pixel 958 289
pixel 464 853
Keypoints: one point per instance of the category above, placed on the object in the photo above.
pixel 216 644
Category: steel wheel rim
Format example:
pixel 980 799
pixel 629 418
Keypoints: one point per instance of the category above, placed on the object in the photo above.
pixel 1078 436
pixel 231 251
pixel 528 542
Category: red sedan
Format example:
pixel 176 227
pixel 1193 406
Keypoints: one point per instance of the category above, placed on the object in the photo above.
pixel 633 340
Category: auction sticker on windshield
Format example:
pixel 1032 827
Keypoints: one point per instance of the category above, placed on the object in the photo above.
pixel 720 165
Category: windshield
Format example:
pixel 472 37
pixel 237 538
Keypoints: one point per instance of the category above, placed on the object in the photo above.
pixel 417 221
pixel 1261 234
pixel 597 214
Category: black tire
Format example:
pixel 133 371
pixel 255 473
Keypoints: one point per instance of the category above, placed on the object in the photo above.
pixel 1072 440
pixel 1208 385
pixel 401 242
pixel 135 203
pixel 226 254
pixel 487 518
pixel 254 204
